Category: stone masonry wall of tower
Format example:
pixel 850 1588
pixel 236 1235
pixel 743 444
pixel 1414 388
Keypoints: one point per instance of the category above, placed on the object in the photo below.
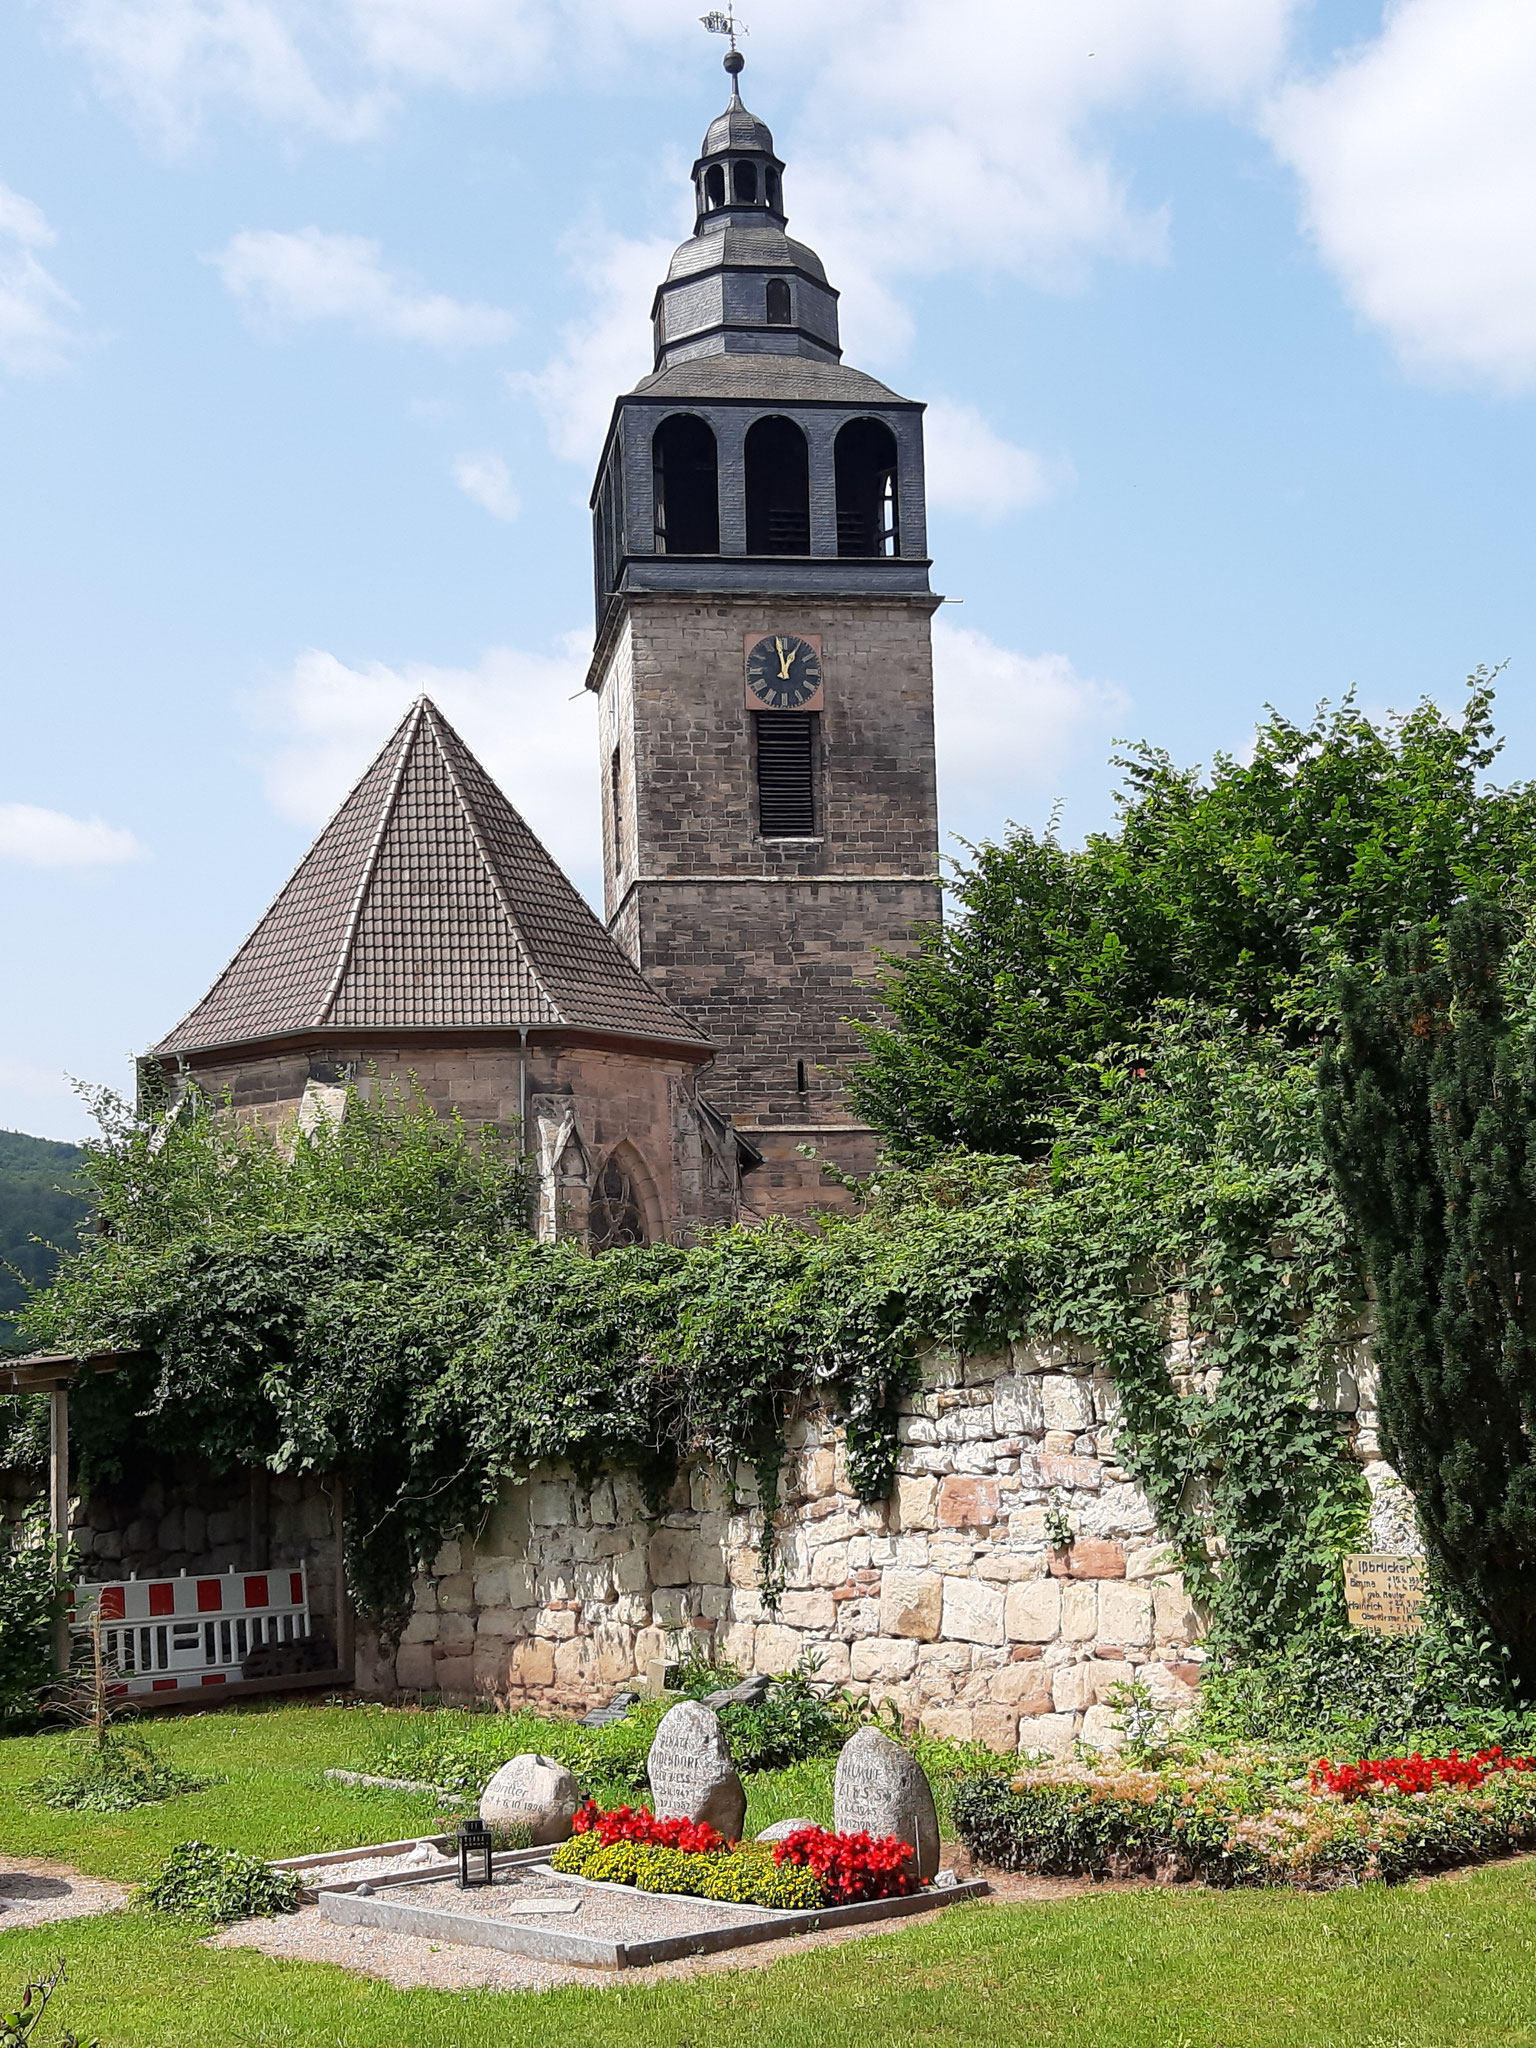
pixel 767 938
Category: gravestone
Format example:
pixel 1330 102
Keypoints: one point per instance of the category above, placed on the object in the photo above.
pixel 783 1829
pixel 1385 1595
pixel 690 1770
pixel 533 1792
pixel 880 1789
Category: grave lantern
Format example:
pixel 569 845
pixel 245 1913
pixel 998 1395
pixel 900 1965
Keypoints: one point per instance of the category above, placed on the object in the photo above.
pixel 474 1852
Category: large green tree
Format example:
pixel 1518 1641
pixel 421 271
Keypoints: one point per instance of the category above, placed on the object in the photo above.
pixel 40 1214
pixel 1429 1115
pixel 1242 890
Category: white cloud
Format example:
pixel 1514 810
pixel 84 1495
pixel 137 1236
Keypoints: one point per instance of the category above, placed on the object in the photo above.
pixel 289 279
pixel 971 468
pixel 51 839
pixel 171 60
pixel 1417 155
pixel 33 337
pixel 604 354
pixel 1007 726
pixel 487 480
pixel 928 146
pixel 515 709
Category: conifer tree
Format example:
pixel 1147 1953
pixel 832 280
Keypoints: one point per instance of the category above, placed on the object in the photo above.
pixel 1429 1116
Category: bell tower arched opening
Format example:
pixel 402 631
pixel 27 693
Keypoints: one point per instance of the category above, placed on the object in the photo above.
pixel 778 479
pixel 868 520
pixel 686 466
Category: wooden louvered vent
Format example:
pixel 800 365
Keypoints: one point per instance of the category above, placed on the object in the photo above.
pixel 786 774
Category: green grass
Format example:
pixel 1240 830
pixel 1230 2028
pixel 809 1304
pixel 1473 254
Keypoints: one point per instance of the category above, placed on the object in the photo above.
pixel 1449 1962
pixel 1452 1962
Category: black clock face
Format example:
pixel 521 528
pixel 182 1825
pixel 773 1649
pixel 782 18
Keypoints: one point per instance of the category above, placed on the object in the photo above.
pixel 783 672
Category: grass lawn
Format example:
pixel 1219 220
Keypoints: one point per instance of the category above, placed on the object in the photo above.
pixel 1453 1961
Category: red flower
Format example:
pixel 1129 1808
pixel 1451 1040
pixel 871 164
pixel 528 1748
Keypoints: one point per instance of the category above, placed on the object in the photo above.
pixel 636 1824
pixel 852 1867
pixel 1414 1773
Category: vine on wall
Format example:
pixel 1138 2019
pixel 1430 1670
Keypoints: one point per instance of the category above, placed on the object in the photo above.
pixel 390 1321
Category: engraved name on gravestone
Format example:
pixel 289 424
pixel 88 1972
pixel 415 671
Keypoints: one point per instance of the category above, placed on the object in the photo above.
pixel 533 1792
pixel 1385 1594
pixel 880 1790
pixel 691 1773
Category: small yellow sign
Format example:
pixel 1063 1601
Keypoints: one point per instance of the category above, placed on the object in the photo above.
pixel 1385 1594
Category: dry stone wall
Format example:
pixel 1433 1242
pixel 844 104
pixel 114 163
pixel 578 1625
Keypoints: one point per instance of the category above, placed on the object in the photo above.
pixel 955 1600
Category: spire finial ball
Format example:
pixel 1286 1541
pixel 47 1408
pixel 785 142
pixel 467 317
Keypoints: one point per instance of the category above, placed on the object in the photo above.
pixel 735 62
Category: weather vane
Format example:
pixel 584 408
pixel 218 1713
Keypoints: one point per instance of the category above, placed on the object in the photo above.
pixel 720 24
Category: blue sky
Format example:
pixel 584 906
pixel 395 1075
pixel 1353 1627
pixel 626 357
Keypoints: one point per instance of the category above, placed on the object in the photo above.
pixel 312 311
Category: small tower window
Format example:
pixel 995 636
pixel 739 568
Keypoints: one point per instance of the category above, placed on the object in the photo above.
pixel 744 182
pixel 615 791
pixel 799 1077
pixel 685 466
pixel 778 474
pixel 780 306
pixel 865 461
pixel 786 774
pixel 714 186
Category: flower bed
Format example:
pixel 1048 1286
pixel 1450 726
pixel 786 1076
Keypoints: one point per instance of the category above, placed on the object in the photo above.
pixel 1414 1773
pixel 810 1868
pixel 1245 1820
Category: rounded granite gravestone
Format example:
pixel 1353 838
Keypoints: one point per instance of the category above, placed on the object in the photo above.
pixel 880 1790
pixel 532 1792
pixel 690 1770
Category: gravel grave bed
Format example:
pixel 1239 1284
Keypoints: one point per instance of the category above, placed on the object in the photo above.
pixel 34 1892
pixel 616 1914
pixel 366 1868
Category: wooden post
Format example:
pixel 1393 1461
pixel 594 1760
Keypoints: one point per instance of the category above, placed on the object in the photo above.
pixel 58 1507
pixel 346 1629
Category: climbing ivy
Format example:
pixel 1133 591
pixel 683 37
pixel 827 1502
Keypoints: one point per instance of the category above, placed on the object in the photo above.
pixel 366 1301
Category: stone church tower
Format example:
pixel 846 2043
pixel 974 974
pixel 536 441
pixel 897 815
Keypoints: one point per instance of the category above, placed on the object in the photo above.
pixel 763 668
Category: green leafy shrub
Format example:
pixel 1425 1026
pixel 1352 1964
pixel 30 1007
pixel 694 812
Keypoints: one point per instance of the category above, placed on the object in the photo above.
pixel 30 1592
pixel 200 1882
pixel 1448 1687
pixel 1233 1821
pixel 112 1773
pixel 747 1876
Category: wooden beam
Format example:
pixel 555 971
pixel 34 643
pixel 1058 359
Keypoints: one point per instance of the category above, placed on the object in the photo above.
pixel 58 1508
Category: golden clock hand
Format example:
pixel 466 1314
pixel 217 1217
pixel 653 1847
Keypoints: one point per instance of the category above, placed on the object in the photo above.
pixel 784 660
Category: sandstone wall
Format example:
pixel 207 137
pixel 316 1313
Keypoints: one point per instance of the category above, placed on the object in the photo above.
pixel 951 1600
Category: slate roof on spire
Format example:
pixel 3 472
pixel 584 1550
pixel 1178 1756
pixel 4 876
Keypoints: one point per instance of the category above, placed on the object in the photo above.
pixel 426 904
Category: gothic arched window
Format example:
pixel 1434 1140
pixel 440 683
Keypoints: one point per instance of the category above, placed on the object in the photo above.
pixel 867 522
pixel 685 466
pixel 615 1216
pixel 780 305
pixel 778 467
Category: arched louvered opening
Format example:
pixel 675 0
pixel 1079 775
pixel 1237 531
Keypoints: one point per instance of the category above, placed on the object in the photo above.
pixel 778 474
pixel 685 464
pixel 867 511
pixel 781 309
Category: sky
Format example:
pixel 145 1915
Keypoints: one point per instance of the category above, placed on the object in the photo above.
pixel 312 313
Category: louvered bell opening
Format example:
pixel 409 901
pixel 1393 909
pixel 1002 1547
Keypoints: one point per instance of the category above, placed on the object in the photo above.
pixel 786 785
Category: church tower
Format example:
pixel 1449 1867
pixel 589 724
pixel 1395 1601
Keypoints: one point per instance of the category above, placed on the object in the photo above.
pixel 763 669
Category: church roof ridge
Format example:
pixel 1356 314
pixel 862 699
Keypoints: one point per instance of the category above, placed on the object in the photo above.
pixel 427 902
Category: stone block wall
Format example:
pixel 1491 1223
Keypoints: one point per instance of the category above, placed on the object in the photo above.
pixel 951 1600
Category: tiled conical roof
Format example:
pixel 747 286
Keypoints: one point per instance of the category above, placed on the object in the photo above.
pixel 426 903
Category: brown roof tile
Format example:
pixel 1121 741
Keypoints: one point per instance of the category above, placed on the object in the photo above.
pixel 426 903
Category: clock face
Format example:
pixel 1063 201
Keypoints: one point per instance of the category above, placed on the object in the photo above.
pixel 784 672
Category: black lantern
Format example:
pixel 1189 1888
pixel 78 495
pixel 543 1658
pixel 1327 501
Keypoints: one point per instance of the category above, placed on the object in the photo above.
pixel 474 1852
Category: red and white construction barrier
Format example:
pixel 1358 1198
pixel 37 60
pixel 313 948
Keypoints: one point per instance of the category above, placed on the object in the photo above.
pixel 160 1635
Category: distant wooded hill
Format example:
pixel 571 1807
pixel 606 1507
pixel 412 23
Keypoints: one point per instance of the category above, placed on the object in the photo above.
pixel 35 1202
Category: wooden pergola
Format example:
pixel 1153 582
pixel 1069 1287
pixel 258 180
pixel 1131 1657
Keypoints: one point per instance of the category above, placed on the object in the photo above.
pixel 53 1374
